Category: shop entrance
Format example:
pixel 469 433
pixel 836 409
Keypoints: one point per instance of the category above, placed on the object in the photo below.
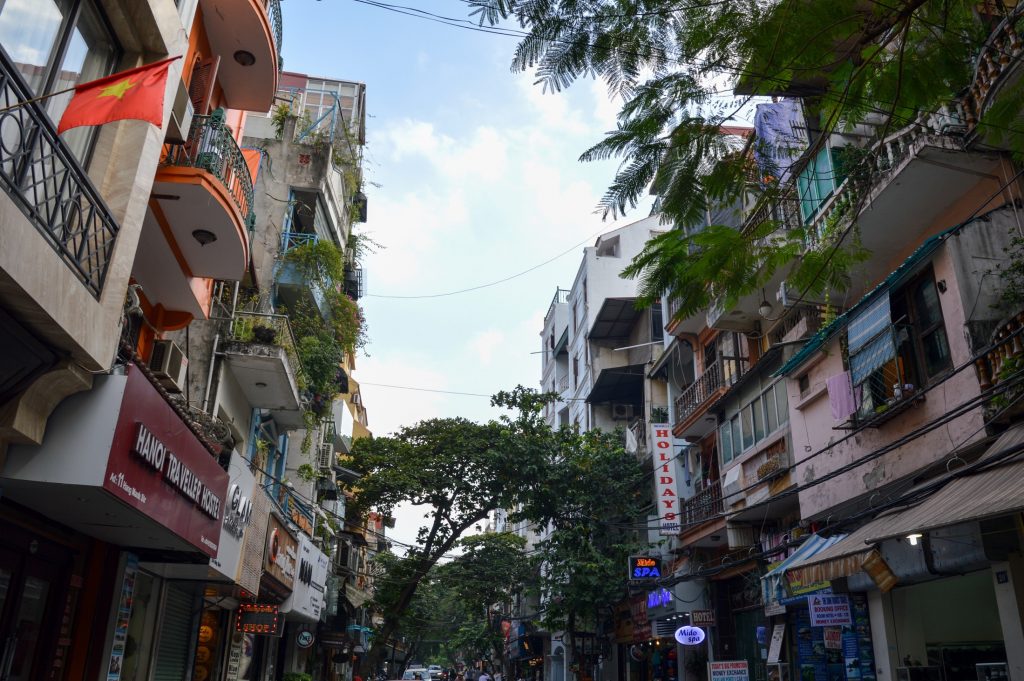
pixel 32 584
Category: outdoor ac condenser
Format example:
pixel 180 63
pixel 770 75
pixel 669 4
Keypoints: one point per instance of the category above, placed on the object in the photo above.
pixel 169 364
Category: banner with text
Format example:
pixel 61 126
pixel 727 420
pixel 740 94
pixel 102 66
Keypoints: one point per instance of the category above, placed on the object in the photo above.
pixel 665 488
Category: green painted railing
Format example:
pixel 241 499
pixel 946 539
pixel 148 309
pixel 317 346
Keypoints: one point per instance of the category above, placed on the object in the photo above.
pixel 211 147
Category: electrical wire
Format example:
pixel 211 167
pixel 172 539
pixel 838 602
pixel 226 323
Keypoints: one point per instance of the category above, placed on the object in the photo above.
pixel 490 284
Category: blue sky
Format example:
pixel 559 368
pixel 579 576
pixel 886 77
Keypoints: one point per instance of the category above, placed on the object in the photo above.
pixel 479 180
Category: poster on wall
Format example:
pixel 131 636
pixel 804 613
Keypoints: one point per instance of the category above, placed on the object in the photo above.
pixel 829 610
pixel 123 616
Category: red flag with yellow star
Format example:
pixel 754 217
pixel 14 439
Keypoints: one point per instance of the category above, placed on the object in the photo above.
pixel 137 94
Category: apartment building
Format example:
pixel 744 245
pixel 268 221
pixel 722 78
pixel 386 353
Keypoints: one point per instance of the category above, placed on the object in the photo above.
pixel 851 457
pixel 149 527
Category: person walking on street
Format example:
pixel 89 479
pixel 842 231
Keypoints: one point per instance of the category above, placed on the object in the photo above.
pixel 484 676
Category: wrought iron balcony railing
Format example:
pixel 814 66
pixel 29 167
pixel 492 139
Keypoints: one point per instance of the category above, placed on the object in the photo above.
pixel 211 147
pixel 45 180
pixel 700 391
pixel 705 505
pixel 273 8
pixel 266 329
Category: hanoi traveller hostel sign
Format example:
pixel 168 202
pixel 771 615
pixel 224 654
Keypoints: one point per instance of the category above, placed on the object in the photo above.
pixel 157 466
pixel 665 489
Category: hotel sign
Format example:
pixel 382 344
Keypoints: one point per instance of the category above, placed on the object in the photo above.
pixel 157 466
pixel 665 487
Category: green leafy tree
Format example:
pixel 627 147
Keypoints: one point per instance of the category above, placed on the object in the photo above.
pixel 594 495
pixel 684 70
pixel 490 571
pixel 459 471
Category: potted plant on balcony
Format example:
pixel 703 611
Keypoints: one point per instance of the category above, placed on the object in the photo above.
pixel 264 334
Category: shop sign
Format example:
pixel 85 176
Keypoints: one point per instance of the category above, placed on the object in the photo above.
pixel 829 610
pixel 665 488
pixel 644 568
pixel 775 648
pixel 239 515
pixel 157 466
pixel 833 638
pixel 281 553
pixel 304 639
pixel 239 511
pixel 728 670
pixel 258 618
pixel 702 618
pixel 689 636
pixel 774 609
pixel 661 598
pixel 308 595
pixel 798 589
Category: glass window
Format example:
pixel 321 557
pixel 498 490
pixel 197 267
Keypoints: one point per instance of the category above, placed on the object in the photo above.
pixel 757 407
pixel 53 54
pixel 748 427
pixel 90 55
pixel 782 403
pixel 725 435
pixel 737 436
pixel 30 32
pixel 771 412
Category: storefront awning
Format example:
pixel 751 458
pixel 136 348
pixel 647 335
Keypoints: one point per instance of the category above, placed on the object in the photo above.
pixel 814 545
pixel 981 491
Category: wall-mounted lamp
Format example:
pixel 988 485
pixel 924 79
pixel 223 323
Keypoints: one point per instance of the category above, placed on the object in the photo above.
pixel 912 538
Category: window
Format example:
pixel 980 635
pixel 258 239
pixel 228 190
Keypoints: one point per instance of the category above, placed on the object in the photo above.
pixel 753 422
pixel 897 344
pixel 804 383
pixel 657 323
pixel 608 248
pixel 815 184
pixel 575 371
pixel 56 44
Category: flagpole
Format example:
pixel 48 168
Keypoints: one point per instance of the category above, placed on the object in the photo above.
pixel 36 99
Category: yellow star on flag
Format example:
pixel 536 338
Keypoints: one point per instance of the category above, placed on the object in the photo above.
pixel 117 89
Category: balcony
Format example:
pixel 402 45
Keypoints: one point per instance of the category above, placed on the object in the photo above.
pixel 355 281
pixel 203 200
pixel 997 71
pixel 46 182
pixel 800 321
pixel 704 506
pixel 292 286
pixel 247 35
pixel 1001 364
pixel 261 353
pixel 701 393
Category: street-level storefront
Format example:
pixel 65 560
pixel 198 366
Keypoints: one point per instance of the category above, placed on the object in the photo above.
pixel 740 624
pixel 119 468
pixel 303 608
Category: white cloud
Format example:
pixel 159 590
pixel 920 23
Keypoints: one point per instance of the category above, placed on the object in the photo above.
pixel 388 409
pixel 606 106
pixel 553 110
pixel 485 344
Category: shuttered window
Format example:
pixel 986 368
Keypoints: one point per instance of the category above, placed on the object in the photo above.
pixel 176 632
pixel 200 85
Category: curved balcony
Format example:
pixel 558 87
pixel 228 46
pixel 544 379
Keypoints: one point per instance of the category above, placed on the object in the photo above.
pixel 247 35
pixel 204 190
pixel 996 71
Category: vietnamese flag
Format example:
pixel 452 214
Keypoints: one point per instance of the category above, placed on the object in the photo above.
pixel 137 94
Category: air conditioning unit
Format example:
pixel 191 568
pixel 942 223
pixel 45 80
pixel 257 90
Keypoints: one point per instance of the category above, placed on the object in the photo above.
pixel 181 116
pixel 621 412
pixel 324 455
pixel 169 364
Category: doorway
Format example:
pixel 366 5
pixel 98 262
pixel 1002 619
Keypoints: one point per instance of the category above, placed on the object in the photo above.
pixel 33 583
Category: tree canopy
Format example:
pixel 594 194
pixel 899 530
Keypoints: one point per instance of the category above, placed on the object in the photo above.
pixel 685 70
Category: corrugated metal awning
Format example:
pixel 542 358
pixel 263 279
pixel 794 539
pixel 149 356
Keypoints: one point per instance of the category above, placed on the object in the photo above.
pixel 988 493
pixel 814 545
pixel 993 491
